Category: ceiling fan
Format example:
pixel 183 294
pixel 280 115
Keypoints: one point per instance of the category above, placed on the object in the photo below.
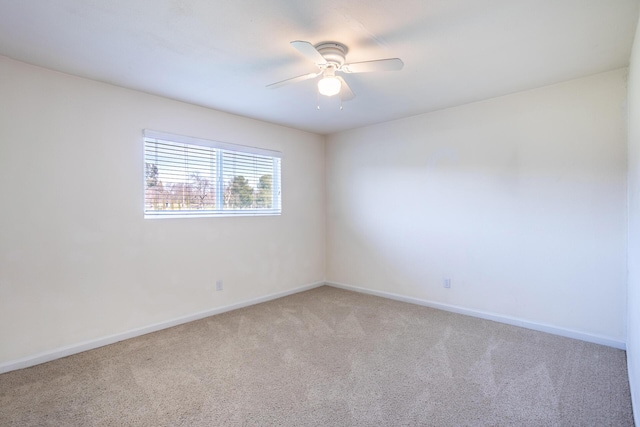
pixel 329 57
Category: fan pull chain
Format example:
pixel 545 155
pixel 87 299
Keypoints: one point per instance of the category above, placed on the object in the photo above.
pixel 318 101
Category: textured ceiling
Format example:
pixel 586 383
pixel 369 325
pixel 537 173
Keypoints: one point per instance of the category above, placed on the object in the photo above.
pixel 222 54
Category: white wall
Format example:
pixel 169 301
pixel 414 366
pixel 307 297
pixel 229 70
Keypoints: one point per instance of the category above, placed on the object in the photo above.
pixel 77 259
pixel 520 200
pixel 633 310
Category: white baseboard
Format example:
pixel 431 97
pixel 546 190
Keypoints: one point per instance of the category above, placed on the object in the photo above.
pixel 111 339
pixel 100 342
pixel 569 333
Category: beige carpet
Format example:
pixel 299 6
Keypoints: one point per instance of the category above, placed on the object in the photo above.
pixel 328 357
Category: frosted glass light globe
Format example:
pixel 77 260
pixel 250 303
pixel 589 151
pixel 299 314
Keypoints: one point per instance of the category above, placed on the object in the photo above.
pixel 329 86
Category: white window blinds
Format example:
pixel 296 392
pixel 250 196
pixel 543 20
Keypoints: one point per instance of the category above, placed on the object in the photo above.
pixel 189 177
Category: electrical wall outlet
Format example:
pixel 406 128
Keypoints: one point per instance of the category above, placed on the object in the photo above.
pixel 446 283
pixel 218 285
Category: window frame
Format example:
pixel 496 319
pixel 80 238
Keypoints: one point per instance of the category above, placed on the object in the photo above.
pixel 150 136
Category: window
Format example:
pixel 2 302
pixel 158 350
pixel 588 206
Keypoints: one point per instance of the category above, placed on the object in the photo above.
pixel 190 177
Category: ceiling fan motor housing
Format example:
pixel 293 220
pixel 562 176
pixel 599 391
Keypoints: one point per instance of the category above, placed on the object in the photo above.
pixel 333 52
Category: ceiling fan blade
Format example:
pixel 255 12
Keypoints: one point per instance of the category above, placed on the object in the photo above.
pixel 294 80
pixel 308 50
pixel 391 64
pixel 346 94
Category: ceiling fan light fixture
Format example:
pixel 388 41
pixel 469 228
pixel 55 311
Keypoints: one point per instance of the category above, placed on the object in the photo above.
pixel 329 86
pixel 329 57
